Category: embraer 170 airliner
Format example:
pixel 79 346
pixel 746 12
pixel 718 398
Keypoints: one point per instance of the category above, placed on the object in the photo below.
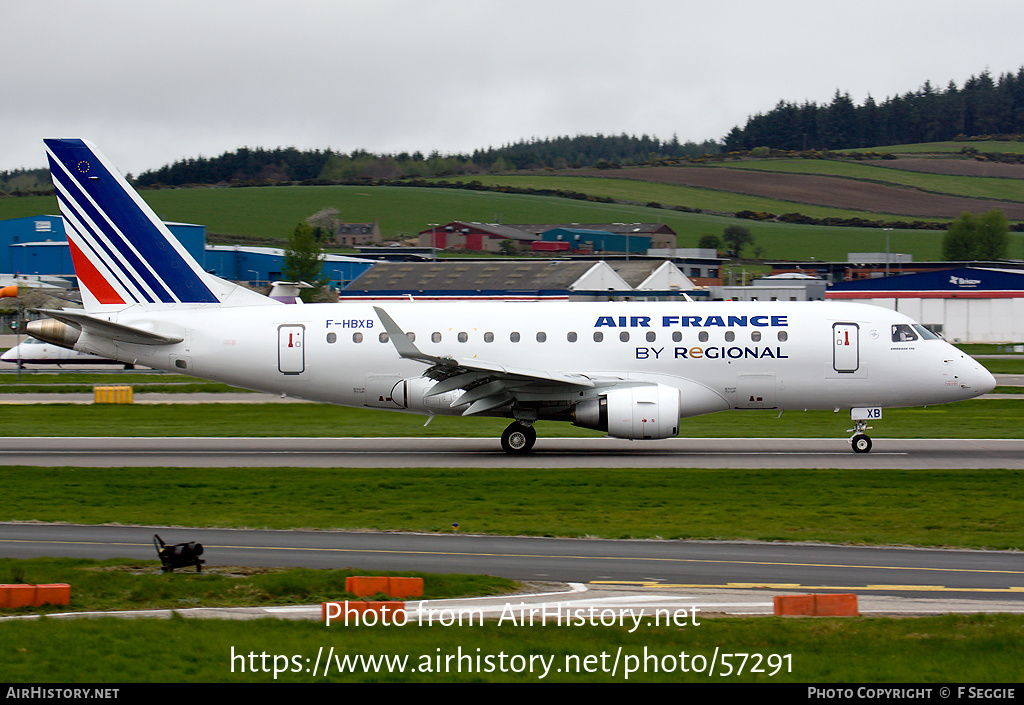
pixel 630 369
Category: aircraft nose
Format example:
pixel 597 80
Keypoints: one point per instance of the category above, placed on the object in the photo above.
pixel 975 378
pixel 984 381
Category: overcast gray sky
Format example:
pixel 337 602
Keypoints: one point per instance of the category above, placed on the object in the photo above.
pixel 152 82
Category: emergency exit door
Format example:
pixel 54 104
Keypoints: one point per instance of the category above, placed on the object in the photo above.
pixel 291 356
pixel 846 347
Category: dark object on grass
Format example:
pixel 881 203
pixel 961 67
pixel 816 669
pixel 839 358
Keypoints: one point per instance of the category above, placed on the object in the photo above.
pixel 178 555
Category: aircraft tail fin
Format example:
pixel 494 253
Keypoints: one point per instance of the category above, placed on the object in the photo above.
pixel 123 253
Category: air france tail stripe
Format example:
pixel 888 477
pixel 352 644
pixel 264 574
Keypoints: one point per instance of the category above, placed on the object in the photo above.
pixel 93 280
pixel 96 222
pixel 144 243
pixel 88 253
pixel 99 252
pixel 129 226
pixel 102 233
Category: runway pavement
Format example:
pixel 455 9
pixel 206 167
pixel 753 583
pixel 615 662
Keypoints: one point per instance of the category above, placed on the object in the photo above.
pixel 725 577
pixel 486 452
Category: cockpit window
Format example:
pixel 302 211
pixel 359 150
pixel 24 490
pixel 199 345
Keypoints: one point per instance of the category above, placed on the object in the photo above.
pixel 925 333
pixel 903 333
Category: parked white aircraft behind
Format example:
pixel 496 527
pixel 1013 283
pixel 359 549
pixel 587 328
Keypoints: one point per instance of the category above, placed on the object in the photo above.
pixel 36 352
pixel 631 369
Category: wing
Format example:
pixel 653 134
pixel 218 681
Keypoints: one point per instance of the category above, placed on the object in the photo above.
pixel 488 385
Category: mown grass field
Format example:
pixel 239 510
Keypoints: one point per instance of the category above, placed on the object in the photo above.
pixel 951 649
pixel 120 584
pixel 265 216
pixel 971 186
pixel 38 381
pixel 268 215
pixel 977 418
pixel 670 195
pixel 937 508
pixel 978 508
pixel 950 147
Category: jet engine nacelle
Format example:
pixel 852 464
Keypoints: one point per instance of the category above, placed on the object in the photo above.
pixel 56 332
pixel 646 411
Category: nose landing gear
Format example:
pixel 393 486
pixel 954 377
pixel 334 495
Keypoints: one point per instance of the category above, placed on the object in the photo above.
pixel 860 441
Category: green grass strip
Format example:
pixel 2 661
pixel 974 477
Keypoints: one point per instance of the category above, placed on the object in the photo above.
pixel 121 584
pixel 977 418
pixel 963 508
pixel 947 649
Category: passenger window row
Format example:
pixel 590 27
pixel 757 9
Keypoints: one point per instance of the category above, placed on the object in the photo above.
pixel 572 337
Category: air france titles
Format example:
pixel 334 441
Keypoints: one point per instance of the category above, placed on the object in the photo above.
pixel 705 322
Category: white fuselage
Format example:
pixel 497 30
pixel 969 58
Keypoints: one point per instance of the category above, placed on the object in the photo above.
pixel 819 355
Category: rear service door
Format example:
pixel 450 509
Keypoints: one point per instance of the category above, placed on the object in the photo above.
pixel 291 356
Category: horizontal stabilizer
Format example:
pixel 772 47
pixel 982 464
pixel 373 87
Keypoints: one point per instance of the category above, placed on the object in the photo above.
pixel 109 330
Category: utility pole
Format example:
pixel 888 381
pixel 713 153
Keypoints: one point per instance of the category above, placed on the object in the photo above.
pixel 433 241
pixel 887 231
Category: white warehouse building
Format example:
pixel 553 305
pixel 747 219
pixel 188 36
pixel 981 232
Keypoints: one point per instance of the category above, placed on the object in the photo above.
pixel 966 305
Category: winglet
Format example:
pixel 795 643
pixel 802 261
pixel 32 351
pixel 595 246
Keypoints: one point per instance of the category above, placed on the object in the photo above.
pixel 405 347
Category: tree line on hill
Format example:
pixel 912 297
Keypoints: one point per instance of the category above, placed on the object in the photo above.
pixel 19 182
pixel 982 106
pixel 248 166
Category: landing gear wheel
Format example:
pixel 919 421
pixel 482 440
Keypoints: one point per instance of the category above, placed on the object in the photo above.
pixel 518 438
pixel 861 443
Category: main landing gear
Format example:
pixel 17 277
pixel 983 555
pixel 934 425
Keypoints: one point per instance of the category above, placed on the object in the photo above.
pixel 518 438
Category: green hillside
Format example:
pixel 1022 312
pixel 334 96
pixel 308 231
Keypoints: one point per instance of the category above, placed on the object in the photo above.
pixel 969 186
pixel 952 147
pixel 266 215
pixel 670 195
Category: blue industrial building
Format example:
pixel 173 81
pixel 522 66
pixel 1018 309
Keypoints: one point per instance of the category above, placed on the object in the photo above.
pixel 262 265
pixel 37 246
pixel 581 240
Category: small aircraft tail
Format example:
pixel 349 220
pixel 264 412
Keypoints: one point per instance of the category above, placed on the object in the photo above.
pixel 123 253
